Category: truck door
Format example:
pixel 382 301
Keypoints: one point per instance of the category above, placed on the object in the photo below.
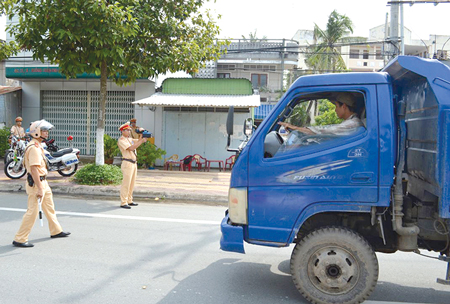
pixel 335 166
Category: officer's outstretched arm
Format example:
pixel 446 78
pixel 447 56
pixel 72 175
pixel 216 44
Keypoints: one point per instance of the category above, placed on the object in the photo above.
pixel 137 144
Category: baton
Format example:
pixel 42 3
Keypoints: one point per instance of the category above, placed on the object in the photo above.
pixel 40 211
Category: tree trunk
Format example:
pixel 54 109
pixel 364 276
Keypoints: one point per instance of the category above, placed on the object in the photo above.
pixel 99 154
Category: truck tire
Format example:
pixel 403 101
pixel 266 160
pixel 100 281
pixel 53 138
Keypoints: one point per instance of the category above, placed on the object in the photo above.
pixel 334 265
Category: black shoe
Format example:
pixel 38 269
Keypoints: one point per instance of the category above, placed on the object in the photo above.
pixel 133 204
pixel 61 234
pixel 125 206
pixel 23 245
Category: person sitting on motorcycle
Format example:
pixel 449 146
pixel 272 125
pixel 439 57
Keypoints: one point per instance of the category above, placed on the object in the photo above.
pixel 17 129
pixel 37 187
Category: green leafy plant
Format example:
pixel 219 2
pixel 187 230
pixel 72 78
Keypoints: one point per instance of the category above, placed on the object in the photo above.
pixel 148 153
pixel 327 114
pixel 110 147
pixel 4 145
pixel 93 174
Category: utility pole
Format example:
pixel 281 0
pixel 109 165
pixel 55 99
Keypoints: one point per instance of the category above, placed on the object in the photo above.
pixel 393 35
pixel 282 66
pixel 394 38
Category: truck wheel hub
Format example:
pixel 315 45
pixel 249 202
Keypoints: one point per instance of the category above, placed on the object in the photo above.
pixel 333 270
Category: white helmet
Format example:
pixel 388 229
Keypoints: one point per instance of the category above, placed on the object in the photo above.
pixel 38 126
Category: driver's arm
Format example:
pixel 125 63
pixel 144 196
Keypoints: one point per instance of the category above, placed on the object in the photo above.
pixel 288 126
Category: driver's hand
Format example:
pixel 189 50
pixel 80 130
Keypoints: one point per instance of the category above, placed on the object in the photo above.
pixel 286 125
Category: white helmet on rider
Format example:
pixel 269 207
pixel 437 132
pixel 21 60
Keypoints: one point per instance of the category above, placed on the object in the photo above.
pixel 38 126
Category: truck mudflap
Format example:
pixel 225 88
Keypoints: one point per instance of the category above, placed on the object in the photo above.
pixel 232 236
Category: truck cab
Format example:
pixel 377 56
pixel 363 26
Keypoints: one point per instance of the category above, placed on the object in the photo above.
pixel 343 191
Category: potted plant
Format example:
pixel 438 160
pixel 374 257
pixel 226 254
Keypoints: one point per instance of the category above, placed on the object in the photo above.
pixel 110 148
pixel 147 154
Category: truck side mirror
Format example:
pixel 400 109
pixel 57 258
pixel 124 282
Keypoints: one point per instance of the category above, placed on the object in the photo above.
pixel 248 127
pixel 230 123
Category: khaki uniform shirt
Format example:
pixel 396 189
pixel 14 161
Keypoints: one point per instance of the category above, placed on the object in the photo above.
pixel 34 156
pixel 134 135
pixel 124 143
pixel 17 131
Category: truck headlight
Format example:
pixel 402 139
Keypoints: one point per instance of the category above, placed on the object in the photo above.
pixel 237 205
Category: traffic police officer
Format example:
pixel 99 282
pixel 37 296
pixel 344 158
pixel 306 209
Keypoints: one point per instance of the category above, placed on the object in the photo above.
pixel 129 166
pixel 36 166
pixel 17 129
pixel 135 135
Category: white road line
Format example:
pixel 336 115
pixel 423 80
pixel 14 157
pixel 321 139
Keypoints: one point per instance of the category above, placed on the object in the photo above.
pixel 384 302
pixel 125 217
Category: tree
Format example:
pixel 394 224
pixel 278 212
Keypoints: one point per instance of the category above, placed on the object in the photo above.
pixel 325 54
pixel 327 114
pixel 7 49
pixel 118 39
pixel 253 38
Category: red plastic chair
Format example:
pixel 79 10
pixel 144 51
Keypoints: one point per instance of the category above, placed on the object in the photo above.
pixel 200 162
pixel 187 162
pixel 229 162
pixel 173 161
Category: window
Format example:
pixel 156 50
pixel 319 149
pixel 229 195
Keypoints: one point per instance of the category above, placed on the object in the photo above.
pixel 316 119
pixel 259 80
pixel 265 68
pixel 379 56
pixel 354 54
pixel 229 67
pixel 365 63
pixel 223 75
pixel 366 54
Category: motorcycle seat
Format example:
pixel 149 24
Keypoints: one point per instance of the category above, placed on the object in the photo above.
pixel 62 152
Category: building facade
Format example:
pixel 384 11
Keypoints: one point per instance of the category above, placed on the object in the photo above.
pixel 71 105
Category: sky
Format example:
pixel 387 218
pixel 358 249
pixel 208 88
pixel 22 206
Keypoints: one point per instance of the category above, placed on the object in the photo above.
pixel 282 18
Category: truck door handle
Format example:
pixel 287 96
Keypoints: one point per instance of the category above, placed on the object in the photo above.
pixel 362 178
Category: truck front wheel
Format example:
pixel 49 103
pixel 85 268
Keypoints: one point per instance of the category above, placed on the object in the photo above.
pixel 334 265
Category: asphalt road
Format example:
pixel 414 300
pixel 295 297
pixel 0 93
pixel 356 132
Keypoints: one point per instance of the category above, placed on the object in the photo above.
pixel 167 253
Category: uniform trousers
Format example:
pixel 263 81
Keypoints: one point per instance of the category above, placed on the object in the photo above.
pixel 30 216
pixel 129 171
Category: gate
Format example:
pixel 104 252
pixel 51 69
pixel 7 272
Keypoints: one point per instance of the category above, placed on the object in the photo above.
pixel 75 113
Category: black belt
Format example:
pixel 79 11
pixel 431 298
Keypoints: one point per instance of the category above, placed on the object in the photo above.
pixel 129 160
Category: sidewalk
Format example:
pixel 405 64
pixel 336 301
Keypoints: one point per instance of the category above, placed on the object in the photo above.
pixel 194 186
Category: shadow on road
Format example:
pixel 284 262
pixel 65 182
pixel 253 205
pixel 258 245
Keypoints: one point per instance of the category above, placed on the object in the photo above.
pixel 242 282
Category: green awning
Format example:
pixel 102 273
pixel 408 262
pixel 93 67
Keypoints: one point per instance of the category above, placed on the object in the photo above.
pixel 207 86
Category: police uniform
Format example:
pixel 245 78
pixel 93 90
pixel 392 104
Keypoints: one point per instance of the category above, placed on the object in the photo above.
pixel 129 169
pixel 34 156
pixel 134 135
pixel 17 131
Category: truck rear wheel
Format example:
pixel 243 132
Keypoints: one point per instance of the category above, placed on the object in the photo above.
pixel 334 265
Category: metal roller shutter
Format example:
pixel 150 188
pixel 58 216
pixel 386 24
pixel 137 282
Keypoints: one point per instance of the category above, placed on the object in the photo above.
pixel 75 113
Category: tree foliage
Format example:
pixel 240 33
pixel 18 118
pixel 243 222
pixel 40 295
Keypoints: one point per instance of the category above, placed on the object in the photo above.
pixel 118 39
pixel 327 114
pixel 7 49
pixel 325 54
pixel 135 38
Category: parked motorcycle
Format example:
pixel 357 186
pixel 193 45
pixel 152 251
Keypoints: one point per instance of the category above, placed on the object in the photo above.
pixel 17 148
pixel 64 161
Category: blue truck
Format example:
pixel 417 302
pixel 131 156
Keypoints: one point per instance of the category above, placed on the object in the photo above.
pixel 383 187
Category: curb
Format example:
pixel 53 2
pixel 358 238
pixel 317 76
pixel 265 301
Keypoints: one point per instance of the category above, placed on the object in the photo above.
pixel 114 193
